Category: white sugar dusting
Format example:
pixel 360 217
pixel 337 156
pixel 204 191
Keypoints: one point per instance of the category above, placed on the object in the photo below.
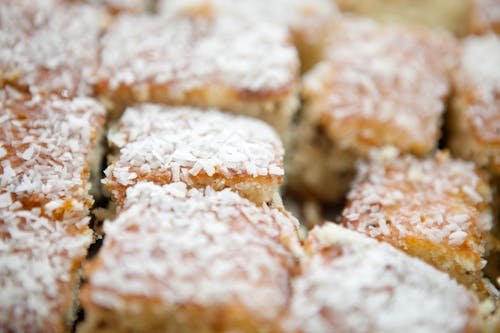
pixel 350 283
pixel 191 53
pixel 206 247
pixel 185 142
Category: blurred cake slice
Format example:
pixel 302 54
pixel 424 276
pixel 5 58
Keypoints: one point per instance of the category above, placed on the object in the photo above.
pixel 308 21
pixel 474 118
pixel 350 283
pixel 378 86
pixel 198 147
pixel 245 68
pixel 437 209
pixel 485 17
pixel 190 260
pixel 45 49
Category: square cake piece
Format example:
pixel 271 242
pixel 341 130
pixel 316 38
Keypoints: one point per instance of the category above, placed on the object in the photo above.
pixel 485 17
pixel 198 147
pixel 474 118
pixel 39 268
pixel 350 283
pixel 437 209
pixel 308 21
pixel 45 49
pixel 245 68
pixel 186 260
pixel 378 86
pixel 442 14
pixel 47 151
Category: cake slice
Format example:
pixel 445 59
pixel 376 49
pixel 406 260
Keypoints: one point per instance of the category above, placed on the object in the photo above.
pixel 199 147
pixel 308 21
pixel 39 268
pixel 437 209
pixel 378 86
pixel 45 49
pixel 47 151
pixel 350 283
pixel 474 118
pixel 485 17
pixel 188 260
pixel 225 63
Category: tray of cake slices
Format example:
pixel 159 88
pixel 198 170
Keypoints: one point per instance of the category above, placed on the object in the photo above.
pixel 249 166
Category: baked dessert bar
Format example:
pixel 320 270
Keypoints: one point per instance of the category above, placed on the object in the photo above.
pixel 39 268
pixel 308 21
pixel 245 68
pixel 442 14
pixel 47 146
pixel 378 86
pixel 189 260
pixel 199 147
pixel 474 118
pixel 350 283
pixel 45 49
pixel 437 209
pixel 485 16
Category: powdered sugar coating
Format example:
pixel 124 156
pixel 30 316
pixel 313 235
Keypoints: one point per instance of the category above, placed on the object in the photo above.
pixel 478 81
pixel 181 143
pixel 38 263
pixel 298 15
pixel 43 47
pixel 350 283
pixel 381 85
pixel 45 148
pixel 440 200
pixel 189 54
pixel 183 246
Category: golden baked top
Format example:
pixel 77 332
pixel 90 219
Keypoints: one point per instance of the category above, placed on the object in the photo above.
pixel 381 85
